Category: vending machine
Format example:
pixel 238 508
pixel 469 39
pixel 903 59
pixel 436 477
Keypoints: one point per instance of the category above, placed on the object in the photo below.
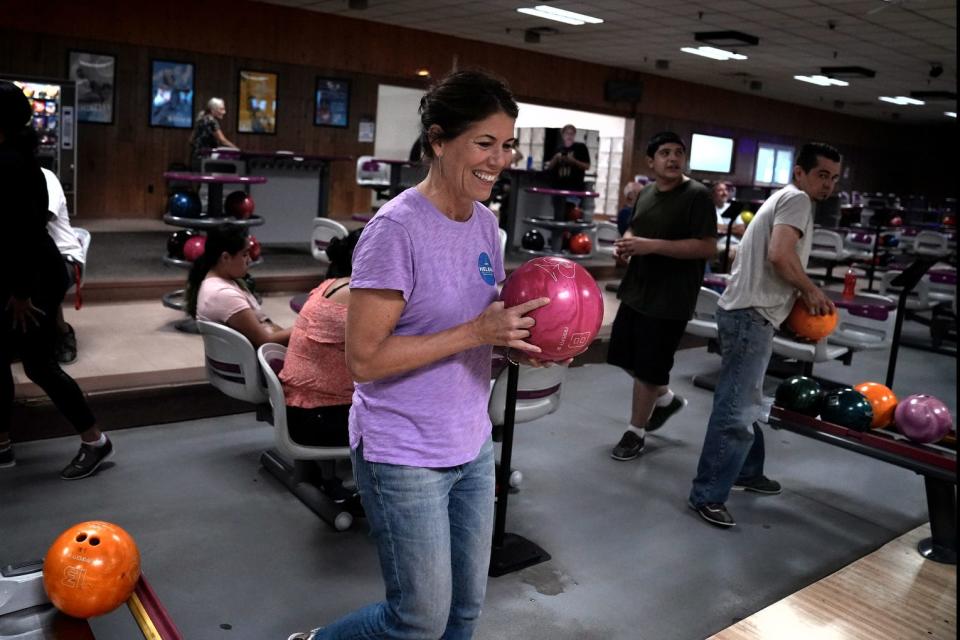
pixel 54 105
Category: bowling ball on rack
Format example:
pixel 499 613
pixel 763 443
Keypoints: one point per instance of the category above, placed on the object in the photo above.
pixel 91 569
pixel 580 244
pixel 949 221
pixel 575 214
pixel 254 248
pixel 848 408
pixel 239 204
pixel 896 221
pixel 809 326
pixel 184 204
pixel 532 240
pixel 923 418
pixel 882 401
pixel 565 327
pixel 565 240
pixel 194 247
pixel 176 242
pixel 800 394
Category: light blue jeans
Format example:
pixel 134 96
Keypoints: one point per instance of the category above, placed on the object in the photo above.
pixel 433 529
pixel 733 447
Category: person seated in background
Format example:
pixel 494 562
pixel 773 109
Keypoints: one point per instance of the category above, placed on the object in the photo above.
pixel 630 192
pixel 73 254
pixel 216 291
pixel 721 201
pixel 316 383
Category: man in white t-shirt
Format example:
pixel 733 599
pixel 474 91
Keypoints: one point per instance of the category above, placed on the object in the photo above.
pixel 766 280
pixel 73 254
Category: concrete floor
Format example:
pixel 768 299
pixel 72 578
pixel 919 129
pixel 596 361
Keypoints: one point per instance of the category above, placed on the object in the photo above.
pixel 233 555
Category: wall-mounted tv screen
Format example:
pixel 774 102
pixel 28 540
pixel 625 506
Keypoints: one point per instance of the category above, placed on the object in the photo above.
pixel 711 153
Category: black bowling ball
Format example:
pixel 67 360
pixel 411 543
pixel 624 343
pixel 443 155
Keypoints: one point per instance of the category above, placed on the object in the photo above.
pixel 532 240
pixel 177 240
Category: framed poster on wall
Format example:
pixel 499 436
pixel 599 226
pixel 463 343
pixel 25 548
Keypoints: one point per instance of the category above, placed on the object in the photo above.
pixel 332 108
pixel 257 102
pixel 95 75
pixel 171 94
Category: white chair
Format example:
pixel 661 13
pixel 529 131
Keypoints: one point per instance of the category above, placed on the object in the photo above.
pixel 231 362
pixel 607 235
pixel 859 244
pixel 931 243
pixel 503 241
pixel 325 230
pixel 371 173
pixel 867 327
pixel 942 285
pixel 827 246
pixel 704 321
pixel 919 298
pixel 807 352
pixel 271 357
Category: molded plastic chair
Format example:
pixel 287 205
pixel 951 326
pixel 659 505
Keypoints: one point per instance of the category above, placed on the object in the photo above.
pixel 807 352
pixel 828 247
pixel 607 234
pixel 704 321
pixel 503 242
pixel 919 298
pixel 538 393
pixel 867 327
pixel 931 243
pixel 231 362
pixel 271 357
pixel 325 230
pixel 371 173
pixel 859 244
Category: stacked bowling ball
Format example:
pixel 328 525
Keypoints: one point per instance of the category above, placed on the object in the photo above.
pixel 176 242
pixel 923 418
pixel 239 205
pixel 532 240
pixel 800 394
pixel 565 327
pixel 574 214
pixel 254 248
pixel 848 408
pixel 809 326
pixel 580 244
pixel 882 400
pixel 184 204
pixel 91 569
pixel 194 247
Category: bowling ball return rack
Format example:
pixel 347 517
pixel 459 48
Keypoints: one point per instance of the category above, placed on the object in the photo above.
pixel 937 463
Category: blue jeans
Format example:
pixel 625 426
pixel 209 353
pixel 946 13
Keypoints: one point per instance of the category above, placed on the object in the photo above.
pixel 733 447
pixel 433 529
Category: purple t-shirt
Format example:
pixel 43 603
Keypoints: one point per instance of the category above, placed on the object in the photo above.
pixel 434 416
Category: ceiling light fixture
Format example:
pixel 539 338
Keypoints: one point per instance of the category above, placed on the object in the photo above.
pixel 552 13
pixel 713 53
pixel 902 100
pixel 950 114
pixel 423 72
pixel 822 81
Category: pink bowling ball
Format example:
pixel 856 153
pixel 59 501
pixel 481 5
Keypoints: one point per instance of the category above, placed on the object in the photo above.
pixel 923 418
pixel 567 325
pixel 193 249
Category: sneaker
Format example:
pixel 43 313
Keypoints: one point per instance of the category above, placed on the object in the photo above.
pixel 67 349
pixel 763 485
pixel 7 459
pixel 629 447
pixel 87 460
pixel 714 513
pixel 661 414
pixel 305 635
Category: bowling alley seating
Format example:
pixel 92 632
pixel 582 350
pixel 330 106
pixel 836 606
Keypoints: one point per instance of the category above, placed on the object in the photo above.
pixel 503 241
pixel 231 363
pixel 607 234
pixel 860 244
pixel 325 230
pixel 865 328
pixel 704 321
pixel 919 298
pixel 931 243
pixel 290 462
pixel 828 247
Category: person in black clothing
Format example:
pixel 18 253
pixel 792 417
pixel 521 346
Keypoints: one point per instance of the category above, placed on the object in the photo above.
pixel 207 132
pixel 33 281
pixel 567 167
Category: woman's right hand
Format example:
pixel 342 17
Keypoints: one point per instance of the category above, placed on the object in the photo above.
pixel 24 313
pixel 504 327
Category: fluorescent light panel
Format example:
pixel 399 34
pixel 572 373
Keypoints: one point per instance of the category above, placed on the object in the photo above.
pixel 822 81
pixel 560 15
pixel 902 100
pixel 950 114
pixel 713 53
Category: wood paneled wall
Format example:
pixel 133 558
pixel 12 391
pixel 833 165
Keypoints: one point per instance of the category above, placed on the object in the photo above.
pixel 120 165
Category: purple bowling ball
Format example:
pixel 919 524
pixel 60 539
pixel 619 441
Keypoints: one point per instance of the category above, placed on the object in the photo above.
pixel 923 418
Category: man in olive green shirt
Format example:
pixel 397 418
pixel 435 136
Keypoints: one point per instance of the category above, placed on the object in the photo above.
pixel 672 233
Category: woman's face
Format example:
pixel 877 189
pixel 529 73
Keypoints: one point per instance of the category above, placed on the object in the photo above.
pixel 218 112
pixel 471 162
pixel 235 266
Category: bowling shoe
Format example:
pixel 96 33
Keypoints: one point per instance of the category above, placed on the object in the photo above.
pixel 87 461
pixel 763 485
pixel 630 446
pixel 715 513
pixel 661 414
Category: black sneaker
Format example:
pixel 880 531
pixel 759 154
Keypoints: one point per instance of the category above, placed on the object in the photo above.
pixel 67 349
pixel 763 485
pixel 629 447
pixel 661 414
pixel 714 513
pixel 87 461
pixel 7 459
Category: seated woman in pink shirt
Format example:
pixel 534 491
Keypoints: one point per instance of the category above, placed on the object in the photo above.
pixel 216 291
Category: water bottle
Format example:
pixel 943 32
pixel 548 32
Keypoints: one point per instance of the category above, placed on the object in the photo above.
pixel 849 284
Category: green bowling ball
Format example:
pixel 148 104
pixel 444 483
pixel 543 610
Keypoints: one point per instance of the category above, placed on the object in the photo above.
pixel 800 394
pixel 847 408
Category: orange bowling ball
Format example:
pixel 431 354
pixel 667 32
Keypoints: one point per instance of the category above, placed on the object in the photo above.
pixel 883 401
pixel 91 569
pixel 580 244
pixel 808 326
